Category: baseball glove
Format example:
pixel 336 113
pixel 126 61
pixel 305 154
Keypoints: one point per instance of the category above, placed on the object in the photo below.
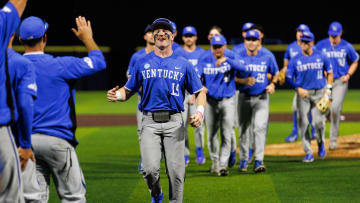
pixel 281 78
pixel 324 103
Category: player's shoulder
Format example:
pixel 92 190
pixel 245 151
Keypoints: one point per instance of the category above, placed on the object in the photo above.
pixel 322 43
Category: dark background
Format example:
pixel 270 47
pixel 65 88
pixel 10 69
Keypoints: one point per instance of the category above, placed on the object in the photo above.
pixel 120 25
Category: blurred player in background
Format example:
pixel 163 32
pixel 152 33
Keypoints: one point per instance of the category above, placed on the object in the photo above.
pixel 10 177
pixel 240 47
pixel 308 69
pixel 254 107
pixel 192 53
pixel 344 59
pixel 292 50
pixel 175 45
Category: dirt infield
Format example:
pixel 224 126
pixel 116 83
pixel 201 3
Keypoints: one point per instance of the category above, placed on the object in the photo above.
pixel 348 146
pixel 115 120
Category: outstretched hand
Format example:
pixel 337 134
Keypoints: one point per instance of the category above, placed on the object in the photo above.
pixel 84 31
pixel 111 94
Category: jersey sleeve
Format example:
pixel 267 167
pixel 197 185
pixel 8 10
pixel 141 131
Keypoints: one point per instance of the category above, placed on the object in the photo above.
pixel 273 66
pixel 9 20
pixel 352 55
pixel 290 72
pixel 328 67
pixel 287 54
pixel 192 80
pixel 131 65
pixel 75 68
pixel 27 80
pixel 135 81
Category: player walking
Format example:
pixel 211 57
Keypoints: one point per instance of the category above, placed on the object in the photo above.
pixel 345 61
pixel 54 121
pixel 308 69
pixel 192 53
pixel 10 181
pixel 254 108
pixel 164 77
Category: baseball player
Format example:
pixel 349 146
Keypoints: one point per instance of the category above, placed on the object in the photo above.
pixel 292 50
pixel 175 45
pixel 215 31
pixel 149 47
pixel 345 61
pixel 254 108
pixel 217 72
pixel 308 68
pixel 164 77
pixel 23 85
pixel 240 47
pixel 10 183
pixel 54 124
pixel 192 53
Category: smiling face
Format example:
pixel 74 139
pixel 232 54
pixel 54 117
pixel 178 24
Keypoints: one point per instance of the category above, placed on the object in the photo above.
pixel 189 40
pixel 163 38
pixel 251 44
pixel 212 33
pixel 306 46
pixel 219 50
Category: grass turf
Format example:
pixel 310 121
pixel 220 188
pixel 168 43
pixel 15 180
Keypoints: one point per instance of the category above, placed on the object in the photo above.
pixel 109 158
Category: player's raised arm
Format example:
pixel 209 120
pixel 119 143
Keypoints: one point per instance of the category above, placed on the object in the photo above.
pixel 19 5
pixel 84 33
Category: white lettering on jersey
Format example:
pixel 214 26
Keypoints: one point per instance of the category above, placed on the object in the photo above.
pixel 209 70
pixel 161 73
pixel 89 62
pixel 309 66
pixel 335 54
pixel 256 67
pixel 32 86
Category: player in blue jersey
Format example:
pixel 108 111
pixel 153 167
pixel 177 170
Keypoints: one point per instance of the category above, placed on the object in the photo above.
pixel 309 69
pixel 192 53
pixel 54 122
pixel 175 45
pixel 217 72
pixel 240 47
pixel 149 47
pixel 164 77
pixel 254 108
pixel 344 59
pixel 10 180
pixel 293 50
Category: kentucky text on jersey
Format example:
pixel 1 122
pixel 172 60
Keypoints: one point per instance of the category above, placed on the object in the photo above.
pixel 256 67
pixel 162 73
pixel 309 66
pixel 335 54
pixel 213 71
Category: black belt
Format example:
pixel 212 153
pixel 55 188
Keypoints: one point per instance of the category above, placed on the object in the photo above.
pixel 160 116
pixel 261 96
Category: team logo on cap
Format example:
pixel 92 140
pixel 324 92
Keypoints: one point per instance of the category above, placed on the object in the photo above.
pixel 146 66
pixel 217 38
pixel 252 32
pixel 302 26
pixel 334 28
pixel 189 29
pixel 248 25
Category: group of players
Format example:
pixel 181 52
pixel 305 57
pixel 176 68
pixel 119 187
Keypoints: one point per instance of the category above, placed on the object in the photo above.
pixel 37 105
pixel 237 83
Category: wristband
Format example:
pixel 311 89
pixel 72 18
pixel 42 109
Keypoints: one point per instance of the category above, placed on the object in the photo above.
pixel 200 109
pixel 118 95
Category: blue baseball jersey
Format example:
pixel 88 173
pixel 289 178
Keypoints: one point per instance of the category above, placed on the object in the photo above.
pixel 175 46
pixel 292 50
pixel 341 55
pixel 163 82
pixel 22 74
pixel 257 66
pixel 308 71
pixel 220 81
pixel 54 109
pixel 239 48
pixel 9 20
pixel 193 57
pixel 135 57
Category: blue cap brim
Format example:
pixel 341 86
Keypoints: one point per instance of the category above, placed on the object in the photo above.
pixel 333 33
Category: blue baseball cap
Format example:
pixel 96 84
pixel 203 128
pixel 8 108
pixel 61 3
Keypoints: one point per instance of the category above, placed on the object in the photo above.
pixel 247 26
pixel 218 40
pixel 173 26
pixel 162 23
pixel 307 36
pixel 252 34
pixel 147 29
pixel 303 28
pixel 32 28
pixel 335 29
pixel 189 30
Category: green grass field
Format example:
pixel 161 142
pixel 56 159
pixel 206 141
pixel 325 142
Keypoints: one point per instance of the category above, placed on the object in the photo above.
pixel 109 158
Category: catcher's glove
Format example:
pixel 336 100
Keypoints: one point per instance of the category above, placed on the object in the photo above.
pixel 324 103
pixel 281 78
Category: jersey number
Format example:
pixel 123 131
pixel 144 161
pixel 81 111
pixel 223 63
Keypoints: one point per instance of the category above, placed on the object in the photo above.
pixel 319 74
pixel 175 89
pixel 260 78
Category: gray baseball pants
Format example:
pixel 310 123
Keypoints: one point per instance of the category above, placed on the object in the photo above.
pixel 10 178
pixel 338 96
pixel 198 132
pixel 219 114
pixel 253 120
pixel 306 106
pixel 236 121
pixel 57 158
pixel 167 138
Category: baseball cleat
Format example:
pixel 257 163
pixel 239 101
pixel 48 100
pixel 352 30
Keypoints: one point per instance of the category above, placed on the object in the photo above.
pixel 308 158
pixel 243 166
pixel 232 159
pixel 187 160
pixel 292 137
pixel 214 167
pixel 251 152
pixel 223 172
pixel 158 198
pixel 259 167
pixel 200 157
pixel 322 151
